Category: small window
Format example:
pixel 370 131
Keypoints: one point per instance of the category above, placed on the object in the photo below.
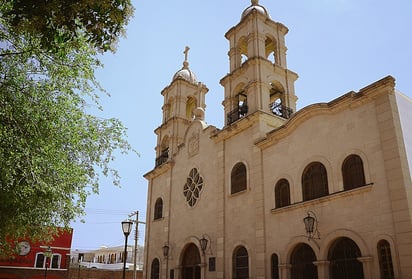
pixel 275 266
pixel 385 260
pixel 56 260
pixel 155 271
pixel 238 178
pixel 352 172
pixel 314 181
pixel 282 193
pixel 158 209
pixel 40 260
pixel 240 263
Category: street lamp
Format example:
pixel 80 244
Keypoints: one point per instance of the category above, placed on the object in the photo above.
pixel 311 225
pixel 165 249
pixel 127 228
pixel 47 254
pixel 203 244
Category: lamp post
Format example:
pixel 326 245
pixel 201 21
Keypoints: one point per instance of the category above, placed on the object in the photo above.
pixel 127 228
pixel 47 254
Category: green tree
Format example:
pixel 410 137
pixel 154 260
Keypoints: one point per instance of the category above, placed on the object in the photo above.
pixel 52 149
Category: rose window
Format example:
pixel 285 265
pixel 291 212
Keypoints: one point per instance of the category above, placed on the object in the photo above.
pixel 193 187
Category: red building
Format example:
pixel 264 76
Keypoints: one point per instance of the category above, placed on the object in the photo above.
pixel 39 260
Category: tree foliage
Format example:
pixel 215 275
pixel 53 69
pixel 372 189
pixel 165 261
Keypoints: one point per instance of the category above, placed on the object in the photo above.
pixel 51 149
pixel 101 21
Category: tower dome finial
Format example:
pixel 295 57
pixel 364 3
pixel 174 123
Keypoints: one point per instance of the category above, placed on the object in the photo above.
pixel 255 2
pixel 186 52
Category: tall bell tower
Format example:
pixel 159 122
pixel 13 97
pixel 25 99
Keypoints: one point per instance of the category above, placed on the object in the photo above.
pixel 259 79
pixel 184 99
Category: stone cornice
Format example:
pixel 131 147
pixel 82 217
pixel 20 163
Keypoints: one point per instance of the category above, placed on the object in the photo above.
pixel 159 170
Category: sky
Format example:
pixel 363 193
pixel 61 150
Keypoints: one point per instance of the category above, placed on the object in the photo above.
pixel 335 46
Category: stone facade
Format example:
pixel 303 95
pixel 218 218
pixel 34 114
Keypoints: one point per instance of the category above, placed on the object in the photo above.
pixel 245 189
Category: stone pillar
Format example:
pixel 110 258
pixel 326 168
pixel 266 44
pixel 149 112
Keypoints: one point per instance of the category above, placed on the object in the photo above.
pixel 366 263
pixel 285 270
pixel 323 269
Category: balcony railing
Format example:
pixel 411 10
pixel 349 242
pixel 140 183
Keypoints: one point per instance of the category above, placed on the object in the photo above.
pixel 236 114
pixel 280 110
pixel 162 158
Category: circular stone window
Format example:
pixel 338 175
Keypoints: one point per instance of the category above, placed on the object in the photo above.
pixel 193 187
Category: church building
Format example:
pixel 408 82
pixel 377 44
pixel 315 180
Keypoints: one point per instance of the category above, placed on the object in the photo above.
pixel 323 192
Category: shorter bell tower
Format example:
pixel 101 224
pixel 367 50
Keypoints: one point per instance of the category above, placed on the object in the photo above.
pixel 181 99
pixel 259 79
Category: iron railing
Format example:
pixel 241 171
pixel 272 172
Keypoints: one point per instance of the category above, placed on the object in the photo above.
pixel 280 110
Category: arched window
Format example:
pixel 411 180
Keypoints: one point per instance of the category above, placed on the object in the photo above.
pixel 243 49
pixel 302 259
pixel 343 257
pixel 352 172
pixel 158 209
pixel 314 181
pixel 56 260
pixel 282 193
pixel 190 106
pixel 238 178
pixel 240 263
pixel 275 266
pixel 40 260
pixel 155 271
pixel 385 260
pixel 270 47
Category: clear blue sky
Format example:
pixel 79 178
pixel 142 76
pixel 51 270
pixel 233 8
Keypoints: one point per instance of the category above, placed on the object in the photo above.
pixel 335 46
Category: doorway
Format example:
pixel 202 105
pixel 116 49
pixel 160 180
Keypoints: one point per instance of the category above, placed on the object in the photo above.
pixel 191 263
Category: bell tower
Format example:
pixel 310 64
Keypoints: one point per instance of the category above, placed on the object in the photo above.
pixel 184 98
pixel 259 79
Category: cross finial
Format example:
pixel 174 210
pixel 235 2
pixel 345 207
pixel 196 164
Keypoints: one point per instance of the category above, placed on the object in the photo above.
pixel 186 52
pixel 255 2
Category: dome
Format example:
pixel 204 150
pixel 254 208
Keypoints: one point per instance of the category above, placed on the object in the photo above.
pixel 186 74
pixel 255 7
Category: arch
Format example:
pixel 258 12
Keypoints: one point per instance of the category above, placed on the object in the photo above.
pixel 242 47
pixel 385 259
pixel 343 258
pixel 155 269
pixel 270 48
pixel 168 108
pixel 277 100
pixel 302 261
pixel 39 260
pixel 190 262
pixel 158 209
pixel 164 151
pixel 329 239
pixel 240 263
pixel 274 266
pixel 282 193
pixel 191 104
pixel 56 261
pixel 314 181
pixel 353 172
pixel 238 178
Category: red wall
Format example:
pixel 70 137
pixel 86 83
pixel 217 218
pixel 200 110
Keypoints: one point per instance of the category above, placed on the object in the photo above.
pixel 60 245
